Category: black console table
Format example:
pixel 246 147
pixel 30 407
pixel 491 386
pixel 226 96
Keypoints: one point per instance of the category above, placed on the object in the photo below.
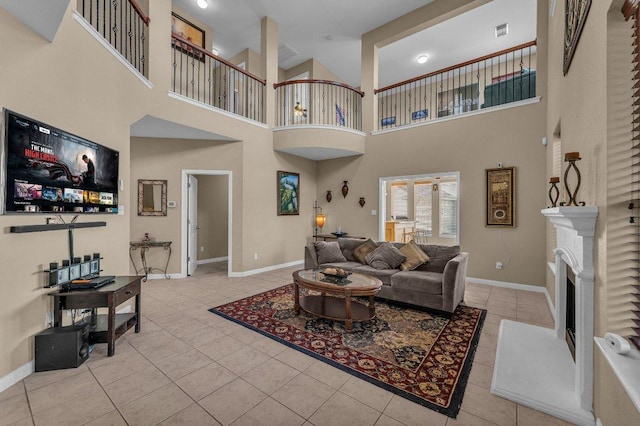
pixel 144 247
pixel 103 328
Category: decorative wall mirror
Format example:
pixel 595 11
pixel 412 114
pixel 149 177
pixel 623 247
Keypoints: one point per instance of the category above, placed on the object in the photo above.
pixel 152 197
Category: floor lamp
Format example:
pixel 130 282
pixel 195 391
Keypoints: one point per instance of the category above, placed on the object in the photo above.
pixel 320 218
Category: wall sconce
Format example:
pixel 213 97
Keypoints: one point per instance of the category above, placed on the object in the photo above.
pixel 361 202
pixel 345 188
pixel 320 218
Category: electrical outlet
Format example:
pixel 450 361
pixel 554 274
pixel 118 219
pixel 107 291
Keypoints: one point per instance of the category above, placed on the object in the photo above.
pixel 255 256
pixel 201 249
pixel 374 212
pixel 498 265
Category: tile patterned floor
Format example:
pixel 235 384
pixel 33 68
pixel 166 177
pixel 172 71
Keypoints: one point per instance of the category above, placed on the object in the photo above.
pixel 190 367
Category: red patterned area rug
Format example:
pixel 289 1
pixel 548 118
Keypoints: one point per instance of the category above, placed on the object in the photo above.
pixel 416 354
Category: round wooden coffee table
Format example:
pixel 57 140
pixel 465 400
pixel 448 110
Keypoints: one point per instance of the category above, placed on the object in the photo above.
pixel 334 301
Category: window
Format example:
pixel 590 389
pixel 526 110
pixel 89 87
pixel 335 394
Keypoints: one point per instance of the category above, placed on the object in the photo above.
pixel 399 200
pixel 429 201
pixel 448 208
pixel 423 204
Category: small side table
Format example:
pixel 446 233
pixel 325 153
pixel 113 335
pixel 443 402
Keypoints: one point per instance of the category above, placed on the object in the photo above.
pixel 144 247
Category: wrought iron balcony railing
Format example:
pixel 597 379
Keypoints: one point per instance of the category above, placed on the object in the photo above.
pixel 123 24
pixel 496 79
pixel 318 102
pixel 202 76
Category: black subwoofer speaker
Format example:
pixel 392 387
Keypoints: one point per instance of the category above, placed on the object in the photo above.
pixel 62 347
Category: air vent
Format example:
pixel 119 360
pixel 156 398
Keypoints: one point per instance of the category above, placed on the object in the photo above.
pixel 502 30
pixel 285 52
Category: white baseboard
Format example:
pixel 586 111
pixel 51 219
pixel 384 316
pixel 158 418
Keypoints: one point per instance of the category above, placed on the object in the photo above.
pixel 212 260
pixel 505 284
pixel 516 286
pixel 265 269
pixel 16 375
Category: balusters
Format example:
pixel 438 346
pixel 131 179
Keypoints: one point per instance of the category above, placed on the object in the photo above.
pixel 122 24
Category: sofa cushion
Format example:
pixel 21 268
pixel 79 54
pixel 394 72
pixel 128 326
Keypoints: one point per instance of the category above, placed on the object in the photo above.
pixel 383 275
pixel 348 245
pixel 329 251
pixel 438 257
pixel 414 256
pixel 361 252
pixel 385 256
pixel 417 281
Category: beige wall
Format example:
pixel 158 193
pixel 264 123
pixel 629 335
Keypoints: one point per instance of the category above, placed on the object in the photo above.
pixel 213 197
pixel 89 93
pixel 316 71
pixel 595 123
pixel 64 95
pixel 469 146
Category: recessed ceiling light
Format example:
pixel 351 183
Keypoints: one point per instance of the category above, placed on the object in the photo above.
pixel 422 59
pixel 202 4
pixel 502 30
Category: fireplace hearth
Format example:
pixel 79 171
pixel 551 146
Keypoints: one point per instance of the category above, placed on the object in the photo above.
pixel 534 365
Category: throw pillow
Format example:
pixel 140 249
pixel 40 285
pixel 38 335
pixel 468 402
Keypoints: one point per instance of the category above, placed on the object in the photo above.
pixel 329 251
pixel 363 250
pixel 415 256
pixel 385 257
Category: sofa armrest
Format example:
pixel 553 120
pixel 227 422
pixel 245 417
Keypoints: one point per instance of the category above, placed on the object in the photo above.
pixel 310 257
pixel 453 281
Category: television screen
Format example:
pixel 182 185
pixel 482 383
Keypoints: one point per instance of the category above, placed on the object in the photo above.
pixel 46 169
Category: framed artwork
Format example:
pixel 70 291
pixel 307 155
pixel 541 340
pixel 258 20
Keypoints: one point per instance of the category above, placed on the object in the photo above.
pixel 388 121
pixel 288 193
pixel 420 115
pixel 575 15
pixel 501 201
pixel 188 31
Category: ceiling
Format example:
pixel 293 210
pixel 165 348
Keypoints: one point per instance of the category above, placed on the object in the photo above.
pixel 330 31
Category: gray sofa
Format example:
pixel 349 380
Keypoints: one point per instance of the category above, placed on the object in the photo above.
pixel 437 284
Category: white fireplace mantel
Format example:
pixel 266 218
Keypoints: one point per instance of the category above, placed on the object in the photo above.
pixel 534 366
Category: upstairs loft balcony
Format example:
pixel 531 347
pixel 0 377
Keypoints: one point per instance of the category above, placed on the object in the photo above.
pixel 497 79
pixel 318 119
pixel 318 103
pixel 204 77
pixel 490 81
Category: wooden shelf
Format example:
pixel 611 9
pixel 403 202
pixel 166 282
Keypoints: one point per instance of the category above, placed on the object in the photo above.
pixel 123 323
pixel 54 227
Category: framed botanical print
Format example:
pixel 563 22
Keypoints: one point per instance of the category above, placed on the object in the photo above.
pixel 501 201
pixel 288 193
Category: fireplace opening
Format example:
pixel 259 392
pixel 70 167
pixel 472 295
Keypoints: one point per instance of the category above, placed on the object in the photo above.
pixel 571 312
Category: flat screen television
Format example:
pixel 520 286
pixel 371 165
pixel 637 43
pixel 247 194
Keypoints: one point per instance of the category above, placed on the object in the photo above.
pixel 45 169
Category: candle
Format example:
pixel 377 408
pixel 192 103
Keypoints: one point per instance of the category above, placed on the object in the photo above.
pixel 554 179
pixel 571 156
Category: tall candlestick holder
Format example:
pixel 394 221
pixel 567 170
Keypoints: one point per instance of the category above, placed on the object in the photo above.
pixel 554 192
pixel 571 158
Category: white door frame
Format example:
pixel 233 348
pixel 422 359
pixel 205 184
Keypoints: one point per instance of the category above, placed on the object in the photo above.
pixel 183 219
pixel 192 221
pixel 382 196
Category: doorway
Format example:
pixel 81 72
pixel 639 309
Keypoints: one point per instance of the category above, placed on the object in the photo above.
pixel 428 203
pixel 206 229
